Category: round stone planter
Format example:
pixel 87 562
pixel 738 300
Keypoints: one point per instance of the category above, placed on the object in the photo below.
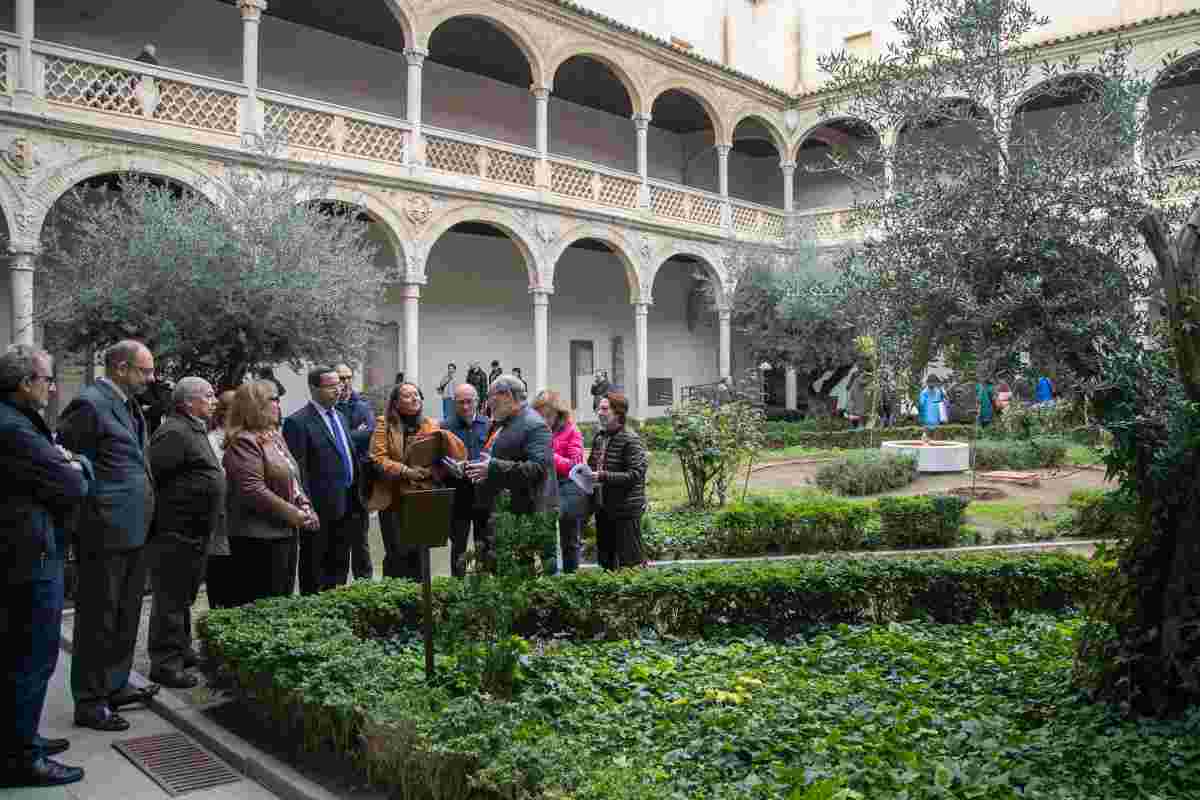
pixel 933 456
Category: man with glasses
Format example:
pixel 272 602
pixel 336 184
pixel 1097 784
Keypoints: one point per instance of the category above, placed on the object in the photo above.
pixel 319 437
pixel 362 424
pixel 105 423
pixel 44 483
pixel 191 494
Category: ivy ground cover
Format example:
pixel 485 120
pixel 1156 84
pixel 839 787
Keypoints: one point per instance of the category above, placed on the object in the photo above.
pixel 718 682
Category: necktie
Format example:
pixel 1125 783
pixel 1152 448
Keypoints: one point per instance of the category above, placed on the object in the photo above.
pixel 339 440
pixel 135 412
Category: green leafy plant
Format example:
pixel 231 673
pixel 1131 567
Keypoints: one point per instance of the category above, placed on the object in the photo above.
pixel 867 472
pixel 922 521
pixel 1037 453
pixel 714 445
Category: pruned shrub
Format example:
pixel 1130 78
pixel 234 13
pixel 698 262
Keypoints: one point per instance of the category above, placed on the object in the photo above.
pixel 1038 453
pixel 814 525
pixel 921 521
pixel 1097 514
pixel 868 472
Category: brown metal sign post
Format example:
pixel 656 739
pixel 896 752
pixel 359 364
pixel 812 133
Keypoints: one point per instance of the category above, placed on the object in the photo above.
pixel 425 519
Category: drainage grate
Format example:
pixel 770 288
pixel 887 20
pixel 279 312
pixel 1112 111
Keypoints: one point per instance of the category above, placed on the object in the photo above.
pixel 176 763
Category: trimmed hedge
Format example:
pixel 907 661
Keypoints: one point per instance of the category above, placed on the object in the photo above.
pixel 867 472
pixel 323 668
pixel 764 525
pixel 1038 453
pixel 1101 515
pixel 922 521
pixel 782 436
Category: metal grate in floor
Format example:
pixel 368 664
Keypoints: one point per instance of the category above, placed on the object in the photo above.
pixel 176 763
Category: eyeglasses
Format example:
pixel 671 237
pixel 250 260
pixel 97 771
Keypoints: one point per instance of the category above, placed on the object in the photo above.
pixel 146 371
pixel 345 378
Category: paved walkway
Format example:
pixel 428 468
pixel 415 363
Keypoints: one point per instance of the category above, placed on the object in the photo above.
pixel 108 774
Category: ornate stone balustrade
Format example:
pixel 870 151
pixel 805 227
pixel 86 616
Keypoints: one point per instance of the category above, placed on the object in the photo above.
pixel 751 219
pixel 333 129
pixel 684 204
pixel 74 77
pixel 5 60
pixel 588 182
pixel 826 224
pixel 453 152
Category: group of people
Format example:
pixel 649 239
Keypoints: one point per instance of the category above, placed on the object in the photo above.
pixel 227 493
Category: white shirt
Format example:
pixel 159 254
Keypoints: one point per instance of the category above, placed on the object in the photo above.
pixel 338 433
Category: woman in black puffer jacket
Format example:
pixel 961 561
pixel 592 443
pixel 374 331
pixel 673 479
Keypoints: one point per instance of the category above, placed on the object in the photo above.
pixel 618 460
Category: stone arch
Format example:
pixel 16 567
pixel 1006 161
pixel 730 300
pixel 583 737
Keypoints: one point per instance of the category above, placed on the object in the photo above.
pixel 405 16
pixel 696 93
pixel 751 111
pixel 622 248
pixel 378 209
pixel 10 208
pixel 511 24
pixel 49 189
pixel 1041 86
pixel 713 264
pixel 588 49
pixel 503 219
pixel 808 132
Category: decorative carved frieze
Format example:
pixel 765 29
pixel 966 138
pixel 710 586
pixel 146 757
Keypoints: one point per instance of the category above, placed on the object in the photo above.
pixel 21 156
pixel 418 209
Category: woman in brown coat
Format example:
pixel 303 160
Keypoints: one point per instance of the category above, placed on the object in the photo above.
pixel 265 501
pixel 395 434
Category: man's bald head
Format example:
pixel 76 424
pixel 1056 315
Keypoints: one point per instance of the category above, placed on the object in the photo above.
pixel 466 401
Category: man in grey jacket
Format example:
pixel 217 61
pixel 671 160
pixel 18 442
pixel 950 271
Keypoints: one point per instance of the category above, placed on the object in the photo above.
pixel 106 424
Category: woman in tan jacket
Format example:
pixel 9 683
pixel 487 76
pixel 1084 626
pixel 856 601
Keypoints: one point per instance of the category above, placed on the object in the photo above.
pixel 266 505
pixel 395 433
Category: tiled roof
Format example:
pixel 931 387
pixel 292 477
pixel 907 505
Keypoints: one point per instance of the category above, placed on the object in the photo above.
pixel 622 27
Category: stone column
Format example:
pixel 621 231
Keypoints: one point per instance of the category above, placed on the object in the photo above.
pixel 1140 116
pixel 410 292
pixel 21 266
pixel 541 96
pixel 888 140
pixel 724 315
pixel 641 312
pixel 25 83
pixel 416 149
pixel 541 338
pixel 723 185
pixel 789 388
pixel 789 186
pixel 252 11
pixel 641 122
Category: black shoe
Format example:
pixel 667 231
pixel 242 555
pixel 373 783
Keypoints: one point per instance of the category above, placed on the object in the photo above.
pixel 110 723
pixel 190 659
pixel 50 747
pixel 174 678
pixel 130 696
pixel 42 772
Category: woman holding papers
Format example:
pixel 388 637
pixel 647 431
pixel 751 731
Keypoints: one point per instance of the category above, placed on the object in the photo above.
pixel 407 449
pixel 618 465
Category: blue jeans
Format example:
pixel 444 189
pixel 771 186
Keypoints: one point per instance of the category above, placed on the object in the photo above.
pixel 30 623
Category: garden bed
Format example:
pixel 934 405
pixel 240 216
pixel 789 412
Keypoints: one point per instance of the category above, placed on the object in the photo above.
pixel 787 694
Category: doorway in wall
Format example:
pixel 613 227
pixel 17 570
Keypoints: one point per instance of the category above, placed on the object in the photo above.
pixel 583 367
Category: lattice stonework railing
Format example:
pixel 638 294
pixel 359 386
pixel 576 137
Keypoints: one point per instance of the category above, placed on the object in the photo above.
pixel 570 180
pixel 706 211
pixel 121 91
pixel 299 126
pixel 745 219
pixel 669 203
pixel 452 156
pixel 620 192
pixel 4 71
pixel 827 225
pixel 375 141
pixel 773 225
pixel 510 167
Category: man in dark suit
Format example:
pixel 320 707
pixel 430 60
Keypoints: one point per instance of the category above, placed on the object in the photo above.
pixel 105 424
pixel 519 455
pixel 191 492
pixel 44 483
pixel 319 437
pixel 357 410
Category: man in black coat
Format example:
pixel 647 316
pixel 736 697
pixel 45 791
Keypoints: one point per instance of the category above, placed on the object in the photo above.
pixel 105 424
pixel 190 493
pixel 520 455
pixel 44 484
pixel 319 437
pixel 357 410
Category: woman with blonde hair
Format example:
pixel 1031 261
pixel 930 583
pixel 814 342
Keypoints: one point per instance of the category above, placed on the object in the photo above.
pixel 567 445
pixel 395 434
pixel 266 503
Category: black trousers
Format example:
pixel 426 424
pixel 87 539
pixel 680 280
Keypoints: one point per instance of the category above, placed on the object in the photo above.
pixel 466 520
pixel 618 541
pixel 108 610
pixel 30 625
pixel 325 554
pixel 221 581
pixel 360 549
pixel 400 560
pixel 176 569
pixel 263 567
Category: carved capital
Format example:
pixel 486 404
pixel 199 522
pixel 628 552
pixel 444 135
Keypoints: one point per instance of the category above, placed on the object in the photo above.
pixel 252 10
pixel 641 121
pixel 540 93
pixel 415 56
pixel 723 150
pixel 547 229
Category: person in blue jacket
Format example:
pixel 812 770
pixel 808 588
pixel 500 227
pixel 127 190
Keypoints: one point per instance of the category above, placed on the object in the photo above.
pixel 931 402
pixel 44 484
pixel 1045 391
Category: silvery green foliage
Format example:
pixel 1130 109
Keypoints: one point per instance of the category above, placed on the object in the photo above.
pixel 250 272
